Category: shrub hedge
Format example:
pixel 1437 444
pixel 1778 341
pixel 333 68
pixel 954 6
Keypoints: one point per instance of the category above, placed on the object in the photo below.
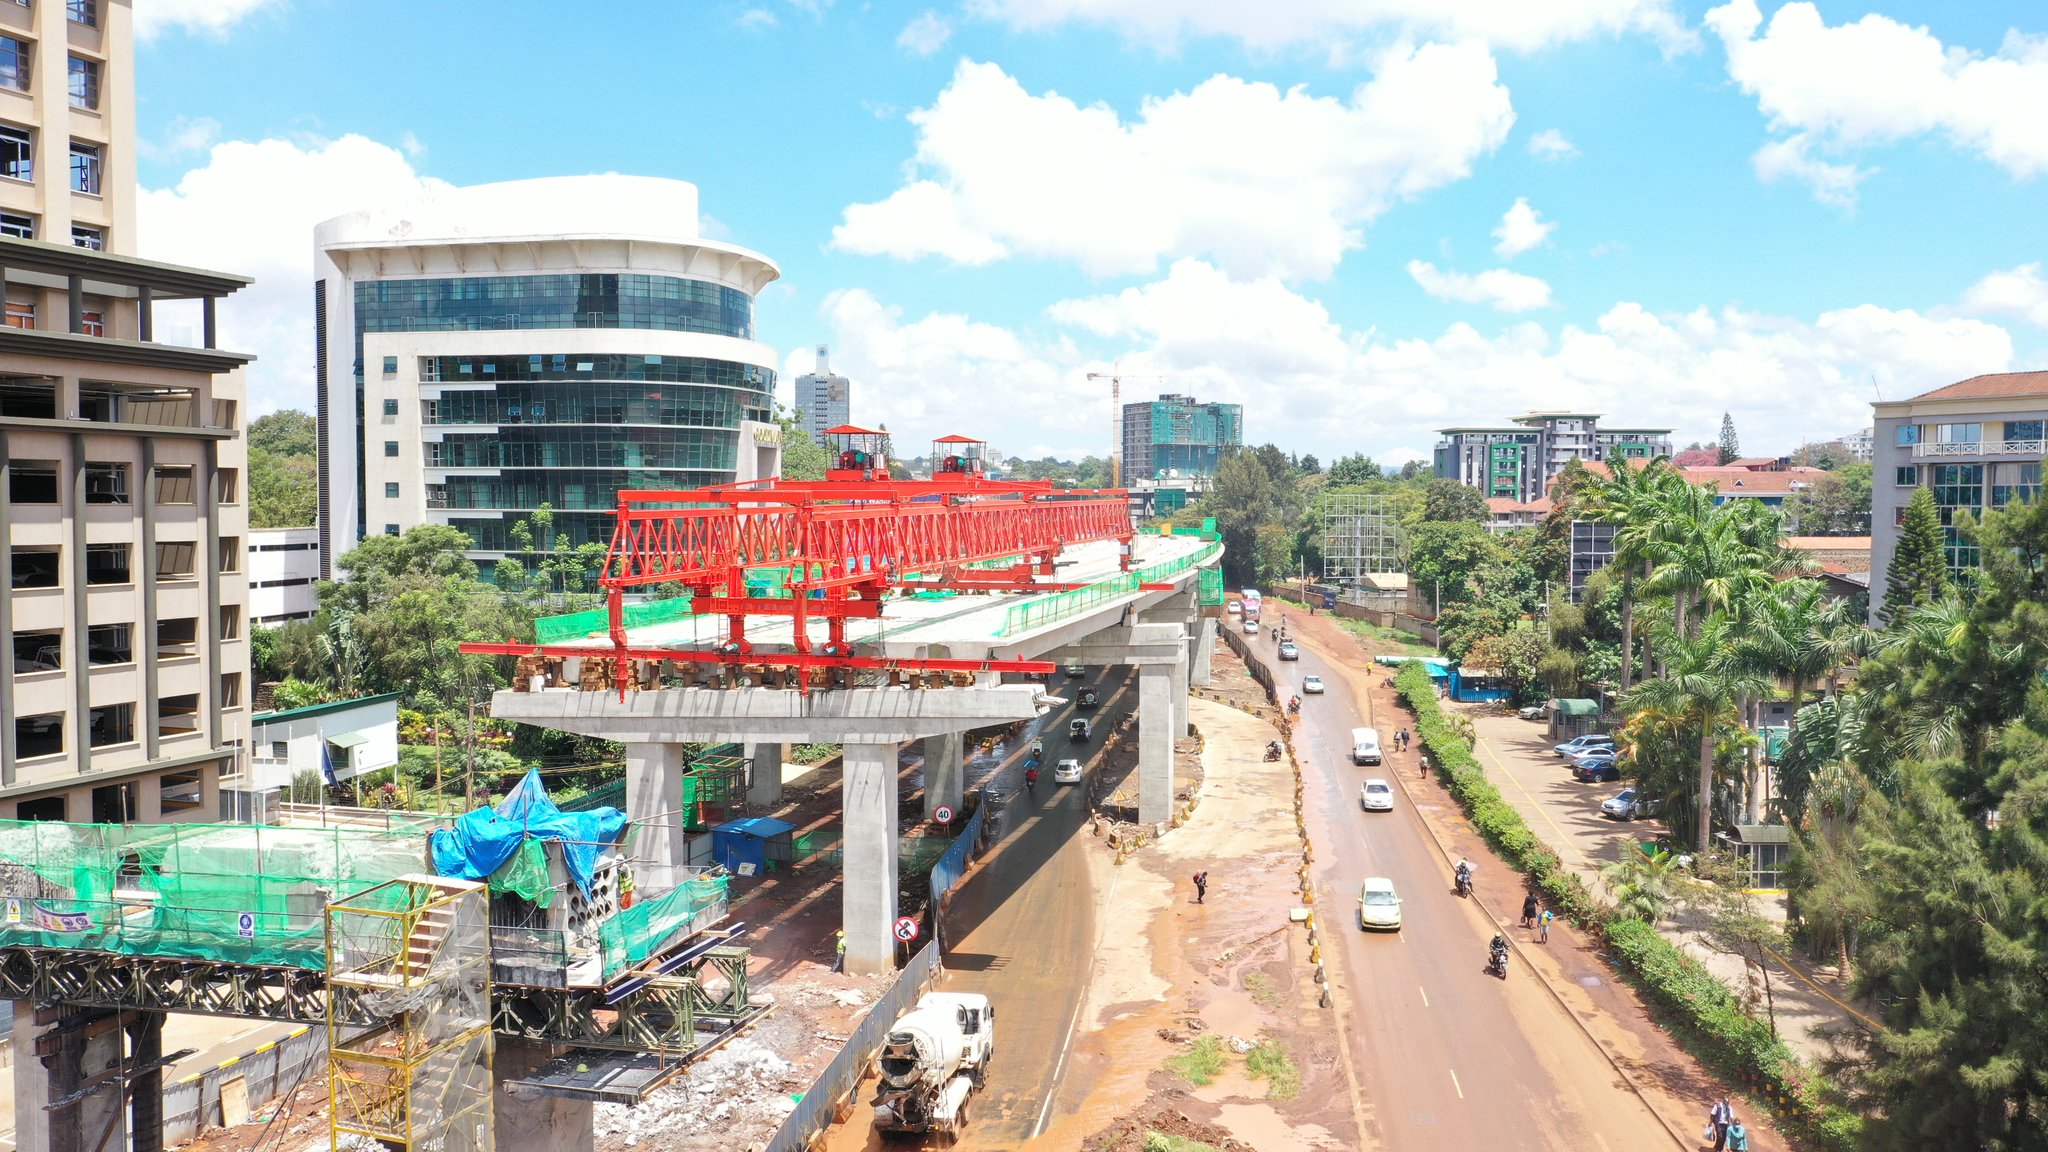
pixel 1701 1011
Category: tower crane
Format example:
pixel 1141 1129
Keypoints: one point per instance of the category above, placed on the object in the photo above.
pixel 1116 378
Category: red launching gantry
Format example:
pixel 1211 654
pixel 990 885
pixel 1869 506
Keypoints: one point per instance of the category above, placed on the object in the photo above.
pixel 844 543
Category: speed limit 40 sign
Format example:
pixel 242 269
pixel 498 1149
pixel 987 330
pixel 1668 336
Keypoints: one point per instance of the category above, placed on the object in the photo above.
pixel 943 814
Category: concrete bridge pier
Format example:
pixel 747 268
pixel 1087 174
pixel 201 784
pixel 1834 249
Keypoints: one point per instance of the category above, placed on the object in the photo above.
pixel 1201 648
pixel 764 772
pixel 57 1052
pixel 529 1120
pixel 1155 742
pixel 944 772
pixel 868 891
pixel 654 790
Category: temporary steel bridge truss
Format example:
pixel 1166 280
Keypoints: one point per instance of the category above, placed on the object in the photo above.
pixel 839 545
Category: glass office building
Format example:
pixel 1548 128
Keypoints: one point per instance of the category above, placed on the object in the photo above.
pixel 618 354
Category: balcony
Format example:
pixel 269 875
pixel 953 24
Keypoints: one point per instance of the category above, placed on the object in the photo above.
pixel 2033 448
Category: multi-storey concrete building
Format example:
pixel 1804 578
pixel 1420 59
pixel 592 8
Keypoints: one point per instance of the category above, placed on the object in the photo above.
pixel 1518 463
pixel 124 658
pixel 284 566
pixel 1178 437
pixel 488 350
pixel 825 400
pixel 1977 443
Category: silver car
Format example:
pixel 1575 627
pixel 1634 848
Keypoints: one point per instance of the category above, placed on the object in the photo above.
pixel 1376 796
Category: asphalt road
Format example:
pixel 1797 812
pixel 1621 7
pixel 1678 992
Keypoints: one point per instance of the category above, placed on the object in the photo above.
pixel 1016 924
pixel 1449 1057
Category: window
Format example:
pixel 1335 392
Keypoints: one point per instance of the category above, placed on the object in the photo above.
pixel 100 407
pixel 28 396
pixel 20 315
pixel 17 153
pixel 177 637
pixel 231 621
pixel 32 482
pixel 391 447
pixel 1909 434
pixel 106 483
pixel 84 81
pixel 177 715
pixel 109 644
pixel 111 724
pixel 1958 487
pixel 391 529
pixel 42 808
pixel 391 365
pixel 13 64
pixel 173 483
pixel 85 167
pixel 21 228
pixel 231 690
pixel 227 485
pixel 391 407
pixel 93 238
pixel 179 791
pixel 174 561
pixel 106 564
pixel 39 736
pixel 38 652
pixel 2010 482
pixel 92 323
pixel 31 566
pixel 280 750
pixel 1958 433
pixel 391 490
pixel 231 553
pixel 84 12
pixel 2022 430
pixel 1906 476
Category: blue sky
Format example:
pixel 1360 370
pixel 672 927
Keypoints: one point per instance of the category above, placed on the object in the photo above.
pixel 1363 219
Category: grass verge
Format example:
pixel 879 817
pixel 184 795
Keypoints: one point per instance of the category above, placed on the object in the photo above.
pixel 1271 1063
pixel 1403 643
pixel 1161 1142
pixel 1263 989
pixel 1201 1063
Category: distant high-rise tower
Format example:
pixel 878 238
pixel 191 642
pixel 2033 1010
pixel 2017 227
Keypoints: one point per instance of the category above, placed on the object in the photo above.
pixel 824 399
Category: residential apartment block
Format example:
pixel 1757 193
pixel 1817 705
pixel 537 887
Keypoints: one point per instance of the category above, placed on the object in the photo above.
pixel 471 366
pixel 823 399
pixel 1977 444
pixel 284 567
pixel 1178 437
pixel 124 657
pixel 1517 463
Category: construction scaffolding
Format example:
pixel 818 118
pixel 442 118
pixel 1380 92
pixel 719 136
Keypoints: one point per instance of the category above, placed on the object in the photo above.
pixel 409 1016
pixel 1361 538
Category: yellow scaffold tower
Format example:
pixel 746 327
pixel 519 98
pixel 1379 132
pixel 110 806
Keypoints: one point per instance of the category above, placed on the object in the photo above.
pixel 409 1016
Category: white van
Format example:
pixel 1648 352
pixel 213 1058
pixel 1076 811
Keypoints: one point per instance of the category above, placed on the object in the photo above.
pixel 1365 746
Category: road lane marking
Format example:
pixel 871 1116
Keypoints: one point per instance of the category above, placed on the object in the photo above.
pixel 1425 995
pixel 1455 1084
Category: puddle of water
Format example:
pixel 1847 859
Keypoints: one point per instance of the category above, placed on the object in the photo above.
pixel 1591 981
pixel 1265 1129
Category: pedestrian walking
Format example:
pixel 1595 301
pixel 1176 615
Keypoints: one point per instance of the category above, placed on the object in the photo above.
pixel 1529 910
pixel 1719 1118
pixel 1543 926
pixel 1738 1136
pixel 839 950
pixel 1201 887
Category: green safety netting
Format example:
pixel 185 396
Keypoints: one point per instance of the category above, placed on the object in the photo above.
pixel 249 894
pixel 630 936
pixel 598 621
pixel 526 873
pixel 1212 587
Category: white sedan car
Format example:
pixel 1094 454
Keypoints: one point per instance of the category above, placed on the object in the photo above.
pixel 1067 771
pixel 1379 906
pixel 1311 685
pixel 1376 796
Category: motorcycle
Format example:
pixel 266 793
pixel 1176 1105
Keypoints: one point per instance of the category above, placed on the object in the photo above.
pixel 1497 958
pixel 1462 882
pixel 1273 750
pixel 1293 705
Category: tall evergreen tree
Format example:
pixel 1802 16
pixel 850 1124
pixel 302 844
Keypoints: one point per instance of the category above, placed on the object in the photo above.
pixel 1731 449
pixel 1919 570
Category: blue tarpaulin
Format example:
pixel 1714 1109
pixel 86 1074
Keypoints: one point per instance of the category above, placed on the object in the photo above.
pixel 486 838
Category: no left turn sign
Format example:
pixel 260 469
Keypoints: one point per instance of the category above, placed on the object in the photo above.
pixel 906 928
pixel 943 814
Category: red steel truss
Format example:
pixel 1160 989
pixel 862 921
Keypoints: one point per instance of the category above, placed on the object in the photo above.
pixel 842 543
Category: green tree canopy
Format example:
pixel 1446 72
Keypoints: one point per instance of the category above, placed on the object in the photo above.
pixel 1838 504
pixel 1919 568
pixel 284 470
pixel 288 432
pixel 1446 500
pixel 1730 449
pixel 1353 470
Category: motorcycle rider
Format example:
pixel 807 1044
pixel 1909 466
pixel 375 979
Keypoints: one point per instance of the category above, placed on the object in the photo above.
pixel 1031 780
pixel 1273 750
pixel 1464 876
pixel 1497 954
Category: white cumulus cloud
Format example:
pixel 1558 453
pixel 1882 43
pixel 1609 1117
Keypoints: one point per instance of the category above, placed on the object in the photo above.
pixel 1515 24
pixel 210 17
pixel 2020 291
pixel 1505 290
pixel 1792 158
pixel 250 210
pixel 1876 81
pixel 1521 229
pixel 1262 181
pixel 1552 145
pixel 924 35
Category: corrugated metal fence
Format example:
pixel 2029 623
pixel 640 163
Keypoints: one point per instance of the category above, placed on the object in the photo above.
pixel 192 1105
pixel 841 1078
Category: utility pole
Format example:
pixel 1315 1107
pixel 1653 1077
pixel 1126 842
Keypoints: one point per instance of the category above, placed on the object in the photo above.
pixel 440 797
pixel 469 772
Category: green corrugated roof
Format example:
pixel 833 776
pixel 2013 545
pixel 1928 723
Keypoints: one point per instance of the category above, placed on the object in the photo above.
pixel 1578 708
pixel 312 710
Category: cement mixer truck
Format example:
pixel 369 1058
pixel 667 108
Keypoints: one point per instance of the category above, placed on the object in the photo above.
pixel 932 1060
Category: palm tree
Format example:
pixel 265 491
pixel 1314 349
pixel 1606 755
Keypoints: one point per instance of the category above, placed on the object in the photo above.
pixel 1632 499
pixel 1707 677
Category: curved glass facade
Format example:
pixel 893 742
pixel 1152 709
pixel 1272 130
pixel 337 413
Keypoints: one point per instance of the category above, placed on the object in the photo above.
pixel 554 300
